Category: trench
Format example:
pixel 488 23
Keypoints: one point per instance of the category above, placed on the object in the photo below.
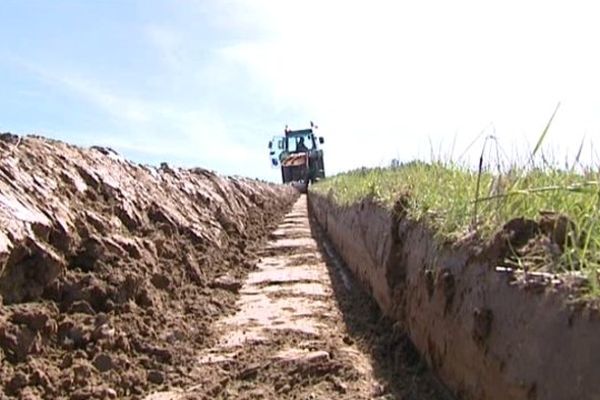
pixel 303 329
pixel 486 332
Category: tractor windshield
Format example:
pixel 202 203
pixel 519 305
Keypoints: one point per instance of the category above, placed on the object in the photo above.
pixel 300 143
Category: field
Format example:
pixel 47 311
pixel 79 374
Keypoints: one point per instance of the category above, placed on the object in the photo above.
pixel 482 266
pixel 457 202
pixel 120 280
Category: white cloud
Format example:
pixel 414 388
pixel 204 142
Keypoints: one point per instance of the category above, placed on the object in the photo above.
pixel 383 79
pixel 384 76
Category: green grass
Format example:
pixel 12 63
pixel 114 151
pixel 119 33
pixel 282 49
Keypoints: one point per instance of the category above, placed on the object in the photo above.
pixel 455 201
pixel 444 196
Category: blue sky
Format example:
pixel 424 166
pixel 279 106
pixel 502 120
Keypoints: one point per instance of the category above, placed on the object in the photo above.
pixel 208 83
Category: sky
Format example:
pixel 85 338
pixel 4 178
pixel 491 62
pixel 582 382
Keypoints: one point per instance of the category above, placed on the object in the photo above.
pixel 209 82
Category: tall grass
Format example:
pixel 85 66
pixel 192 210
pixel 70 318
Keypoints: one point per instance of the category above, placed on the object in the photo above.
pixel 456 200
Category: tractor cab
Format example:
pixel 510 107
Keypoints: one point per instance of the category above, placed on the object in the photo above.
pixel 300 141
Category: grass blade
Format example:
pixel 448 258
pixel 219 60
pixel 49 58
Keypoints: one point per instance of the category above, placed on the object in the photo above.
pixel 578 156
pixel 544 132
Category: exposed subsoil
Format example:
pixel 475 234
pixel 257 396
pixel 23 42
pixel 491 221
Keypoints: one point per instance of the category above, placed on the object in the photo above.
pixel 112 274
pixel 304 330
pixel 493 319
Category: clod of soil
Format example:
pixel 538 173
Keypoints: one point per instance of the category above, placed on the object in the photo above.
pixel 108 267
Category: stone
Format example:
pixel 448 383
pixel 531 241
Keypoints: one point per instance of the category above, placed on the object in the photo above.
pixel 82 307
pixel 228 283
pixel 103 362
pixel 155 376
pixel 17 382
pixel 160 281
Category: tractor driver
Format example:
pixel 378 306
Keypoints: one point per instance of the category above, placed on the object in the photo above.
pixel 301 147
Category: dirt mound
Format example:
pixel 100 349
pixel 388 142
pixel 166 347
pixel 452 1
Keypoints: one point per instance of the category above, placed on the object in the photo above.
pixel 111 272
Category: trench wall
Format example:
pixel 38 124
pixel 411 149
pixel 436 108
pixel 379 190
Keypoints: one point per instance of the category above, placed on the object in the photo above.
pixel 484 333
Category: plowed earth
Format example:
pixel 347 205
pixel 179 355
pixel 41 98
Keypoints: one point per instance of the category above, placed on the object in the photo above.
pixel 125 281
pixel 112 273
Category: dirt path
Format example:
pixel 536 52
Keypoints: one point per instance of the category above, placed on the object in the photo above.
pixel 303 330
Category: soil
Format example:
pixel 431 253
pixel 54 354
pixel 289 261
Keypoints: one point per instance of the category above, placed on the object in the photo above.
pixel 304 329
pixel 125 281
pixel 112 274
pixel 488 329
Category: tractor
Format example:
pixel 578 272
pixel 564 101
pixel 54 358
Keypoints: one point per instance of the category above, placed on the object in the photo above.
pixel 298 154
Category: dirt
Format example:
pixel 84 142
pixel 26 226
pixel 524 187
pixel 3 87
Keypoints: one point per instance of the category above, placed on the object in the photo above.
pixel 489 329
pixel 112 273
pixel 120 280
pixel 304 329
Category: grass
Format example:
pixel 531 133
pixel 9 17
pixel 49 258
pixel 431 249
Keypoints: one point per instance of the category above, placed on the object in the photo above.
pixel 455 200
pixel 444 197
pixel 444 194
